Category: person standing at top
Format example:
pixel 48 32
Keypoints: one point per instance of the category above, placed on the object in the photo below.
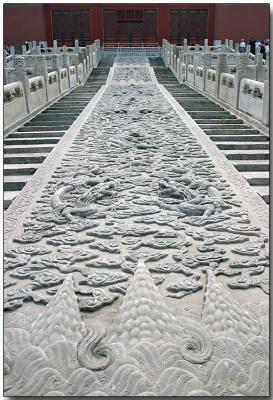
pixel 262 49
pixel 252 46
pixel 242 46
pixel 257 44
pixel 267 49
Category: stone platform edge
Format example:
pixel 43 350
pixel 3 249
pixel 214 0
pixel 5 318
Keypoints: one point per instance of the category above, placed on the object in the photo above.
pixel 21 207
pixel 258 210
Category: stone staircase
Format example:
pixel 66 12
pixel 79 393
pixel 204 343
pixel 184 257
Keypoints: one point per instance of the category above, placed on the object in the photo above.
pixel 245 147
pixel 27 147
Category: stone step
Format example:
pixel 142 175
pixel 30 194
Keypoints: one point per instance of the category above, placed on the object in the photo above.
pixel 32 148
pixel 49 122
pixel 211 114
pixel 36 128
pixel 230 121
pixel 8 198
pixel 228 137
pixel 257 178
pixel 15 182
pixel 56 114
pixel 263 191
pixel 246 154
pixel 66 108
pixel 24 158
pixel 243 146
pixel 251 165
pixel 194 107
pixel 36 134
pixel 27 141
pixel 216 126
pixel 20 169
pixel 236 132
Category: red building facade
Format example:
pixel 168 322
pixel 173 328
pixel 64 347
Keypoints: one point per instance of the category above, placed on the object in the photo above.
pixel 131 23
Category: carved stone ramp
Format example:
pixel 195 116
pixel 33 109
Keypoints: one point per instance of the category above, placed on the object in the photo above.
pixel 27 147
pixel 247 148
pixel 136 260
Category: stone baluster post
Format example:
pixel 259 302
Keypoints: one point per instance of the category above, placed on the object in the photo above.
pixel 237 45
pixel 207 65
pixel 163 49
pixel 55 47
pixel 206 45
pixel 97 51
pixel 196 63
pixel 266 96
pixel 81 60
pixel 242 71
pixel 185 46
pixel 248 49
pixel 75 61
pixel 230 43
pixel 12 51
pixel 57 65
pixel 260 68
pixel 221 67
pixel 171 55
pixel 24 49
pixel 226 43
pixel 5 66
pixel 41 69
pixel 89 52
pixel 83 56
pixel 187 59
pixel 77 47
pixel 20 72
pixel 66 64
pixel 37 50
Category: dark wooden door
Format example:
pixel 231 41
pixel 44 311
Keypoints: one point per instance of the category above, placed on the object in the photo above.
pixel 188 24
pixel 130 26
pixel 69 25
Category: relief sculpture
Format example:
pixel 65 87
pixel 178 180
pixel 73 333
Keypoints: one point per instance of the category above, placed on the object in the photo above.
pixel 138 271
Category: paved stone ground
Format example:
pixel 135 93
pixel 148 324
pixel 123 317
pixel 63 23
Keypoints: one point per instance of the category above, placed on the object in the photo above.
pixel 137 269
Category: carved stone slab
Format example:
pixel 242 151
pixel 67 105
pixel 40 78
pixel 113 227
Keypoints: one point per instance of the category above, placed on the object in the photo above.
pixel 134 266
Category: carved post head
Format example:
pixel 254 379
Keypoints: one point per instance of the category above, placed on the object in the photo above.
pixel 20 64
pixel 57 60
pixel 207 60
pixel 65 58
pixel 242 61
pixel 12 50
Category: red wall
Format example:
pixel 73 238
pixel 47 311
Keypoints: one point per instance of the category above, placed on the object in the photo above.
pixel 241 21
pixel 23 22
pixel 226 21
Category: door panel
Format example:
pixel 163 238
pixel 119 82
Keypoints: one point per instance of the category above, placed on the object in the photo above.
pixel 70 25
pixel 188 24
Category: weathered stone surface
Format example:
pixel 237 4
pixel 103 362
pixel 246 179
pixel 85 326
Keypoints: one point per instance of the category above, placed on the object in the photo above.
pixel 141 271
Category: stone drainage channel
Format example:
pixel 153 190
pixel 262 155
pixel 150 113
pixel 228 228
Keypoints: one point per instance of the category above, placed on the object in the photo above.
pixel 245 147
pixel 27 147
